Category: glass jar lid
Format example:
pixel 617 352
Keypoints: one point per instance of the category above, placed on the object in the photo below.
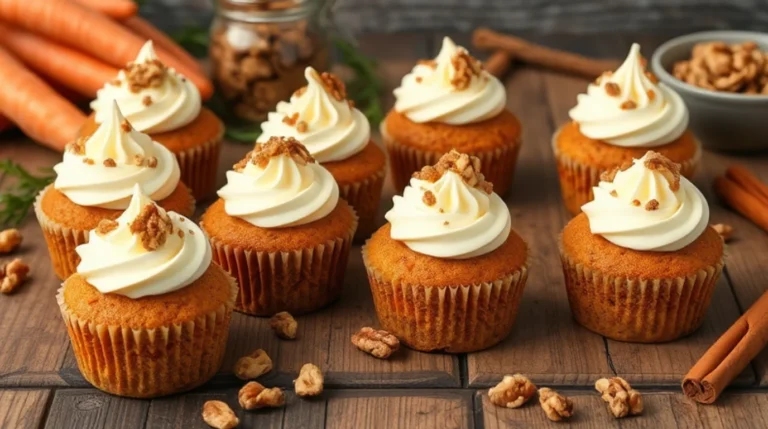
pixel 264 11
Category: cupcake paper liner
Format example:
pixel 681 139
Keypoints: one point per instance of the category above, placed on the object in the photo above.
pixel 147 363
pixel 498 165
pixel 299 281
pixel 638 309
pixel 577 179
pixel 454 318
pixel 62 240
pixel 364 196
pixel 199 166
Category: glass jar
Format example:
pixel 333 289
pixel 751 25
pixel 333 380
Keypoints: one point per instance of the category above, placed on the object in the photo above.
pixel 260 48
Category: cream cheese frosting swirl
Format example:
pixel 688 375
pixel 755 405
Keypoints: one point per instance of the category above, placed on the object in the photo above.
pixel 320 115
pixel 279 184
pixel 648 206
pixel 100 170
pixel 153 97
pixel 446 217
pixel 146 251
pixel 452 89
pixel 628 108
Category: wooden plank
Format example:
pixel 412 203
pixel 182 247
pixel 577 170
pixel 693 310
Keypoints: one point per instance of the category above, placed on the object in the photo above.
pixel 92 409
pixel 23 409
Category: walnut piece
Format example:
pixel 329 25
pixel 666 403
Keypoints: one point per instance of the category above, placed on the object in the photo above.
pixel 466 166
pixel 218 415
pixel 13 275
pixel 429 198
pixel 253 396
pixel 376 342
pixel 621 398
pixel 253 366
pixel 284 325
pixel 512 391
pixel 725 230
pixel 556 406
pixel 152 226
pixel 717 66
pixel 275 146
pixel 466 67
pixel 670 170
pixel 106 226
pixel 149 74
pixel 10 239
pixel 310 381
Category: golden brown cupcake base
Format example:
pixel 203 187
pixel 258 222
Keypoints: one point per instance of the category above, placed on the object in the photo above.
pixel 151 346
pixel 434 304
pixel 66 225
pixel 581 161
pixel 638 296
pixel 297 269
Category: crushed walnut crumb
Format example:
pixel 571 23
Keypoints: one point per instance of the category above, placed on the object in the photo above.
pixel 138 160
pixel 614 194
pixel 652 205
pixel 466 67
pixel 152 226
pixel 116 82
pixel 466 166
pixel 126 126
pixel 88 161
pixel 446 223
pixel 419 79
pixel 149 74
pixel 180 233
pixel 636 203
pixel 106 226
pixel 652 77
pixel 275 146
pixel 152 162
pixel 191 232
pixel 628 105
pixel 670 170
pixel 651 95
pixel 299 92
pixel 429 198
pixel 291 120
pixel 428 63
pixel 109 162
pixel 302 127
pixel 612 89
pixel 608 176
pixel 77 147
pixel 334 86
pixel 146 100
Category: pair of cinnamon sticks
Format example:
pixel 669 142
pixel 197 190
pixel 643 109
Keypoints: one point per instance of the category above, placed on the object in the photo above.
pixel 733 351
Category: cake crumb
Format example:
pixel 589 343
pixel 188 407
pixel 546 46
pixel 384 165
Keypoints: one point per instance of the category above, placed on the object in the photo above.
pixel 152 226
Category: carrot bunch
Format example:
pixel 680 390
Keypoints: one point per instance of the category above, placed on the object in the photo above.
pixel 52 51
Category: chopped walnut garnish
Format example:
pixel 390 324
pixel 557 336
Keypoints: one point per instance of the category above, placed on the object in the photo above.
pixel 466 67
pixel 466 166
pixel 149 74
pixel 77 147
pixel 299 92
pixel 628 105
pixel 376 342
pixel 180 233
pixel 302 126
pixel 10 239
pixel 718 66
pixel 109 162
pixel 651 94
pixel 334 86
pixel 612 89
pixel 310 381
pixel 253 366
pixel 291 120
pixel 13 275
pixel 191 232
pixel 556 406
pixel 614 194
pixel 446 223
pixel 428 63
pixel 652 77
pixel 670 170
pixel 621 398
pixel 429 198
pixel 610 175
pixel 88 161
pixel 152 162
pixel 652 205
pixel 724 230
pixel 218 415
pixel 126 126
pixel 106 226
pixel 138 160
pixel 284 325
pixel 512 391
pixel 419 79
pixel 152 226
pixel 253 396
pixel 636 203
pixel 116 82
pixel 146 100
pixel 275 146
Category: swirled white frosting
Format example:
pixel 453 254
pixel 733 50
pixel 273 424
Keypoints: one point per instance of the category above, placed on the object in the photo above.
pixel 624 218
pixel 658 117
pixel 463 222
pixel 117 262
pixel 172 104
pixel 283 193
pixel 426 94
pixel 87 181
pixel 335 130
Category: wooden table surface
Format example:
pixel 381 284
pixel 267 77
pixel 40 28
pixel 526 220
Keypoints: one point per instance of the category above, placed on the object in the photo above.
pixel 40 385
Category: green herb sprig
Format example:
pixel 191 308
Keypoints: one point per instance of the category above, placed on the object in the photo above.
pixel 15 203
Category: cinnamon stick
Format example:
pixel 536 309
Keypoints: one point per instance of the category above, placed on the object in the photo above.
pixel 484 38
pixel 740 199
pixel 729 355
pixel 498 63
pixel 747 180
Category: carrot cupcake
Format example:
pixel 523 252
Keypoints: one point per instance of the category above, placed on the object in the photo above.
pixel 338 136
pixel 281 230
pixel 95 181
pixel 622 115
pixel 147 312
pixel 160 102
pixel 451 103
pixel 641 262
pixel 447 272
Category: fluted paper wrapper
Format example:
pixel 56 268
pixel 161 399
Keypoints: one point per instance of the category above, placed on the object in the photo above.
pixel 199 165
pixel 364 196
pixel 498 166
pixel 454 319
pixel 147 363
pixel 638 309
pixel 62 240
pixel 298 282
pixel 577 179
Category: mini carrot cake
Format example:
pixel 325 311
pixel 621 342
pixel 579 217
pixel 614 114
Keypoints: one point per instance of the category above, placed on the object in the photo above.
pixel 95 181
pixel 281 230
pixel 451 103
pixel 160 102
pixel 338 136
pixel 622 114
pixel 447 272
pixel 147 312
pixel 641 262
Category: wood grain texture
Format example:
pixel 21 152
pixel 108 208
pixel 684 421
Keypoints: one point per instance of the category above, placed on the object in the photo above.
pixel 23 409
pixel 92 409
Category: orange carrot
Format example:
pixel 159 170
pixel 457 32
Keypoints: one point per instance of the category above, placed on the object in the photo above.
pixel 146 30
pixel 35 107
pixel 5 124
pixel 117 9
pixel 66 66
pixel 91 32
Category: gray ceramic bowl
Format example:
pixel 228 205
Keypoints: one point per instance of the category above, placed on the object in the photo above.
pixel 722 121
